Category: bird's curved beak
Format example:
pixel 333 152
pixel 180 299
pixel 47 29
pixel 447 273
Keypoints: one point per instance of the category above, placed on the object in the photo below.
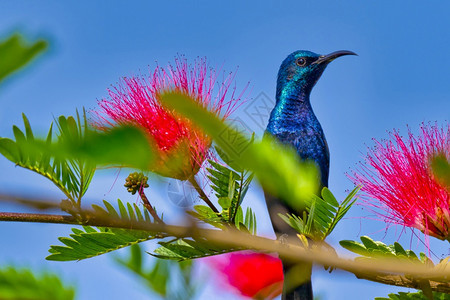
pixel 332 56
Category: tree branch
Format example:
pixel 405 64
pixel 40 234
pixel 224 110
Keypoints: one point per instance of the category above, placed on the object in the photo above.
pixel 403 281
pixel 38 218
pixel 387 270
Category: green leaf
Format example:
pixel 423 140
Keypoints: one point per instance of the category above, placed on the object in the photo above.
pixel 310 220
pixel 355 247
pixel 21 283
pixel 71 176
pixel 205 211
pixel 170 279
pixel 285 176
pixel 295 222
pixel 207 215
pixel 374 249
pixel 121 145
pixel 224 202
pixel 124 145
pixel 89 242
pixel 369 243
pixel 340 209
pixel 9 149
pixel 222 180
pixel 328 197
pixel 228 161
pixel 239 217
pixel 230 188
pixel 135 261
pixel 70 161
pixel 399 251
pixel 15 53
pixel 185 249
pixel 323 215
pixel 414 296
pixel 250 221
pixel 80 170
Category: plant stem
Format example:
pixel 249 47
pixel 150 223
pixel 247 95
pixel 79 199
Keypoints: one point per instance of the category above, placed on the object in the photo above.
pixel 149 207
pixel 38 218
pixel 404 281
pixel 202 194
pixel 388 271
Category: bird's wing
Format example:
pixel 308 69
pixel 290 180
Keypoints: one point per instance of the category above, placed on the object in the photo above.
pixel 310 145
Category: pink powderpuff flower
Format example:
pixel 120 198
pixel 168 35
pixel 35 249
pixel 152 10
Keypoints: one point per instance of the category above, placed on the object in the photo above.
pixel 252 274
pixel 135 101
pixel 396 177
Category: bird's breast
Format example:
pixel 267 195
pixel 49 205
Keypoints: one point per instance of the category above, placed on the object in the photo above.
pixel 308 141
pixel 310 144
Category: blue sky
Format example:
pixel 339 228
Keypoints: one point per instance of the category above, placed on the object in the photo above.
pixel 400 77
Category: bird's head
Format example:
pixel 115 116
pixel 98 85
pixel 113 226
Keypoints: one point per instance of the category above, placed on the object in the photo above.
pixel 302 69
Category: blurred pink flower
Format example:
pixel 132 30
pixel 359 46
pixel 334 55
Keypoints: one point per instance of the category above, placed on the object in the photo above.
pixel 397 179
pixel 135 101
pixel 252 274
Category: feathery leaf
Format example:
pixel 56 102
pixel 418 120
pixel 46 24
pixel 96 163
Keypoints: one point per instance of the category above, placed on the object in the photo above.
pixel 414 296
pixel 22 283
pixel 72 177
pixel 16 53
pixel 374 249
pixel 323 215
pixel 185 249
pixel 90 242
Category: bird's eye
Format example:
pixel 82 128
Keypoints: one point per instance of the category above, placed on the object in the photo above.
pixel 300 61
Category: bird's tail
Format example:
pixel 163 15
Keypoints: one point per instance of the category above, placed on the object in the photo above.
pixel 297 281
pixel 297 276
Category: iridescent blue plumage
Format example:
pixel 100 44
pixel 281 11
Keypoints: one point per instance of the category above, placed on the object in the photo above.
pixel 293 123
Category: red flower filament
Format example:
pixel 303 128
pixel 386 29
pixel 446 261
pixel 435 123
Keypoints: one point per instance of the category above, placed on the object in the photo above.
pixel 135 101
pixel 397 179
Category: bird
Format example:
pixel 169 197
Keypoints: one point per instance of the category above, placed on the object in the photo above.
pixel 293 123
